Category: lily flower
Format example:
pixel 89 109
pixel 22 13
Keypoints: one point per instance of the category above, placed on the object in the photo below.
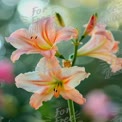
pixel 49 80
pixel 41 37
pixel 102 46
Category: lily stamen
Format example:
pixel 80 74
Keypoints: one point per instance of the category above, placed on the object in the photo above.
pixel 36 37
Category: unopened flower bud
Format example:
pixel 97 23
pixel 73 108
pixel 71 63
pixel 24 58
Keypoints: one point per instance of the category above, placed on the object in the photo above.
pixel 59 20
pixel 91 24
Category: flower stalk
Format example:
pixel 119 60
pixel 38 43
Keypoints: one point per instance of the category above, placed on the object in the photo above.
pixel 70 102
pixel 71 111
pixel 59 55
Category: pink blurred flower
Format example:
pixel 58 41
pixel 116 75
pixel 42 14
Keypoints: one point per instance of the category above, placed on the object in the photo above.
pixel 99 106
pixel 41 37
pixel 102 46
pixel 49 80
pixel 6 71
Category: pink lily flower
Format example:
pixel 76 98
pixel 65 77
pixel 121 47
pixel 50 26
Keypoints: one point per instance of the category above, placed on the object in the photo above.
pixel 49 80
pixel 102 46
pixel 41 37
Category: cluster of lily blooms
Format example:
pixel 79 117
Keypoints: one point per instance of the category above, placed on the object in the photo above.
pixel 50 78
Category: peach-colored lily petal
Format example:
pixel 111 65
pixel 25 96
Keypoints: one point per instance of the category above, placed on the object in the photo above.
pixel 16 39
pixel 32 82
pixel 98 29
pixel 41 37
pixel 46 29
pixel 74 75
pixel 37 100
pixel 116 64
pixel 66 34
pixel 16 54
pixel 49 53
pixel 47 66
pixel 102 46
pixel 73 95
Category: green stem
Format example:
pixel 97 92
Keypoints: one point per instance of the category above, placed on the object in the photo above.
pixel 82 37
pixel 75 52
pixel 71 111
pixel 70 102
pixel 59 55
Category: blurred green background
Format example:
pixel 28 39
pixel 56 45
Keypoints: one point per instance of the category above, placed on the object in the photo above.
pixel 14 102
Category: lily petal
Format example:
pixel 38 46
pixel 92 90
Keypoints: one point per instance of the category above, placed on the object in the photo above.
pixel 74 95
pixel 49 29
pixel 18 39
pixel 48 65
pixel 99 43
pixel 74 75
pixel 116 64
pixel 16 54
pixel 36 100
pixel 31 82
pixel 46 29
pixel 66 34
pixel 49 53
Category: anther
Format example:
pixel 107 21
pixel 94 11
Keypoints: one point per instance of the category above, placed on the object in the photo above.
pixel 31 37
pixel 36 37
pixel 54 89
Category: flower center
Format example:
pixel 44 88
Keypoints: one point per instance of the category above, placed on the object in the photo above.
pixel 57 88
pixel 36 43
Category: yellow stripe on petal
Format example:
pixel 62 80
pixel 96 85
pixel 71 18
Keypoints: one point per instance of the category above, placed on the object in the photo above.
pixel 85 53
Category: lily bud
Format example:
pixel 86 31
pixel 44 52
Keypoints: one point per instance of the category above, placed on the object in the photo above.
pixel 91 24
pixel 59 20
